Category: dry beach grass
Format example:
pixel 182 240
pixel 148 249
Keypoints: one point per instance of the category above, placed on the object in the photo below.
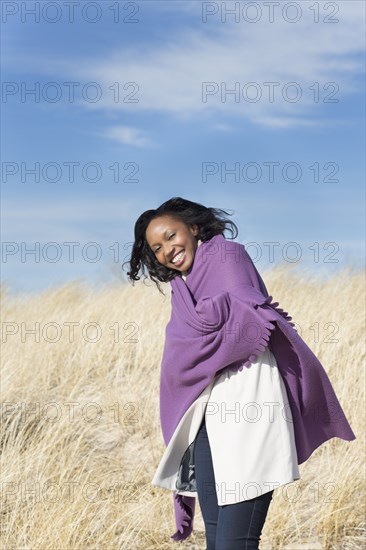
pixel 80 434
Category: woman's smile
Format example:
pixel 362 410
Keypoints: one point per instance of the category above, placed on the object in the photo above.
pixel 179 258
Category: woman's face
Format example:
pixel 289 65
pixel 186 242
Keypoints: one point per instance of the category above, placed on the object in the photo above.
pixel 172 242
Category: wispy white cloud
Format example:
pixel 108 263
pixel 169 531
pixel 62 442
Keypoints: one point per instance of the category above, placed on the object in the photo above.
pixel 221 127
pixel 170 74
pixel 127 135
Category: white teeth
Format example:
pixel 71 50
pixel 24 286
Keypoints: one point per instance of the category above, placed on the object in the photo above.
pixel 178 257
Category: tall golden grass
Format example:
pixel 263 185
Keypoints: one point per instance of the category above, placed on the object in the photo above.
pixel 81 437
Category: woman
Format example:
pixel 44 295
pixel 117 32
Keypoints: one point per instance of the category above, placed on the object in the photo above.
pixel 232 457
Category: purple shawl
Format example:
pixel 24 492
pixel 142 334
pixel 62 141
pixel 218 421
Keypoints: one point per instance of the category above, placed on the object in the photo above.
pixel 222 317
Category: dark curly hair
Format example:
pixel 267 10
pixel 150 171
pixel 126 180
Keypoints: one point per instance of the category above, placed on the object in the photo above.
pixel 210 221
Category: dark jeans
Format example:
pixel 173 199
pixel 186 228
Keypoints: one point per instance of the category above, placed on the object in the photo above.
pixel 233 526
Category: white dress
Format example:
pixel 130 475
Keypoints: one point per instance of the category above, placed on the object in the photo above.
pixel 250 431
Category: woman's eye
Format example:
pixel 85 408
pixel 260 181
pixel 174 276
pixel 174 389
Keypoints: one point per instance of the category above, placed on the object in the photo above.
pixel 170 236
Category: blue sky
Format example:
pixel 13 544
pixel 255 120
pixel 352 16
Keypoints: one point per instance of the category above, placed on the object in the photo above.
pixel 174 121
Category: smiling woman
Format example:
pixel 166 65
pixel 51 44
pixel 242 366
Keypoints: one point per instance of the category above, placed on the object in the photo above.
pixel 227 344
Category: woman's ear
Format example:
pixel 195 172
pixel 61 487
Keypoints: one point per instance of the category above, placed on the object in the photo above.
pixel 196 231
